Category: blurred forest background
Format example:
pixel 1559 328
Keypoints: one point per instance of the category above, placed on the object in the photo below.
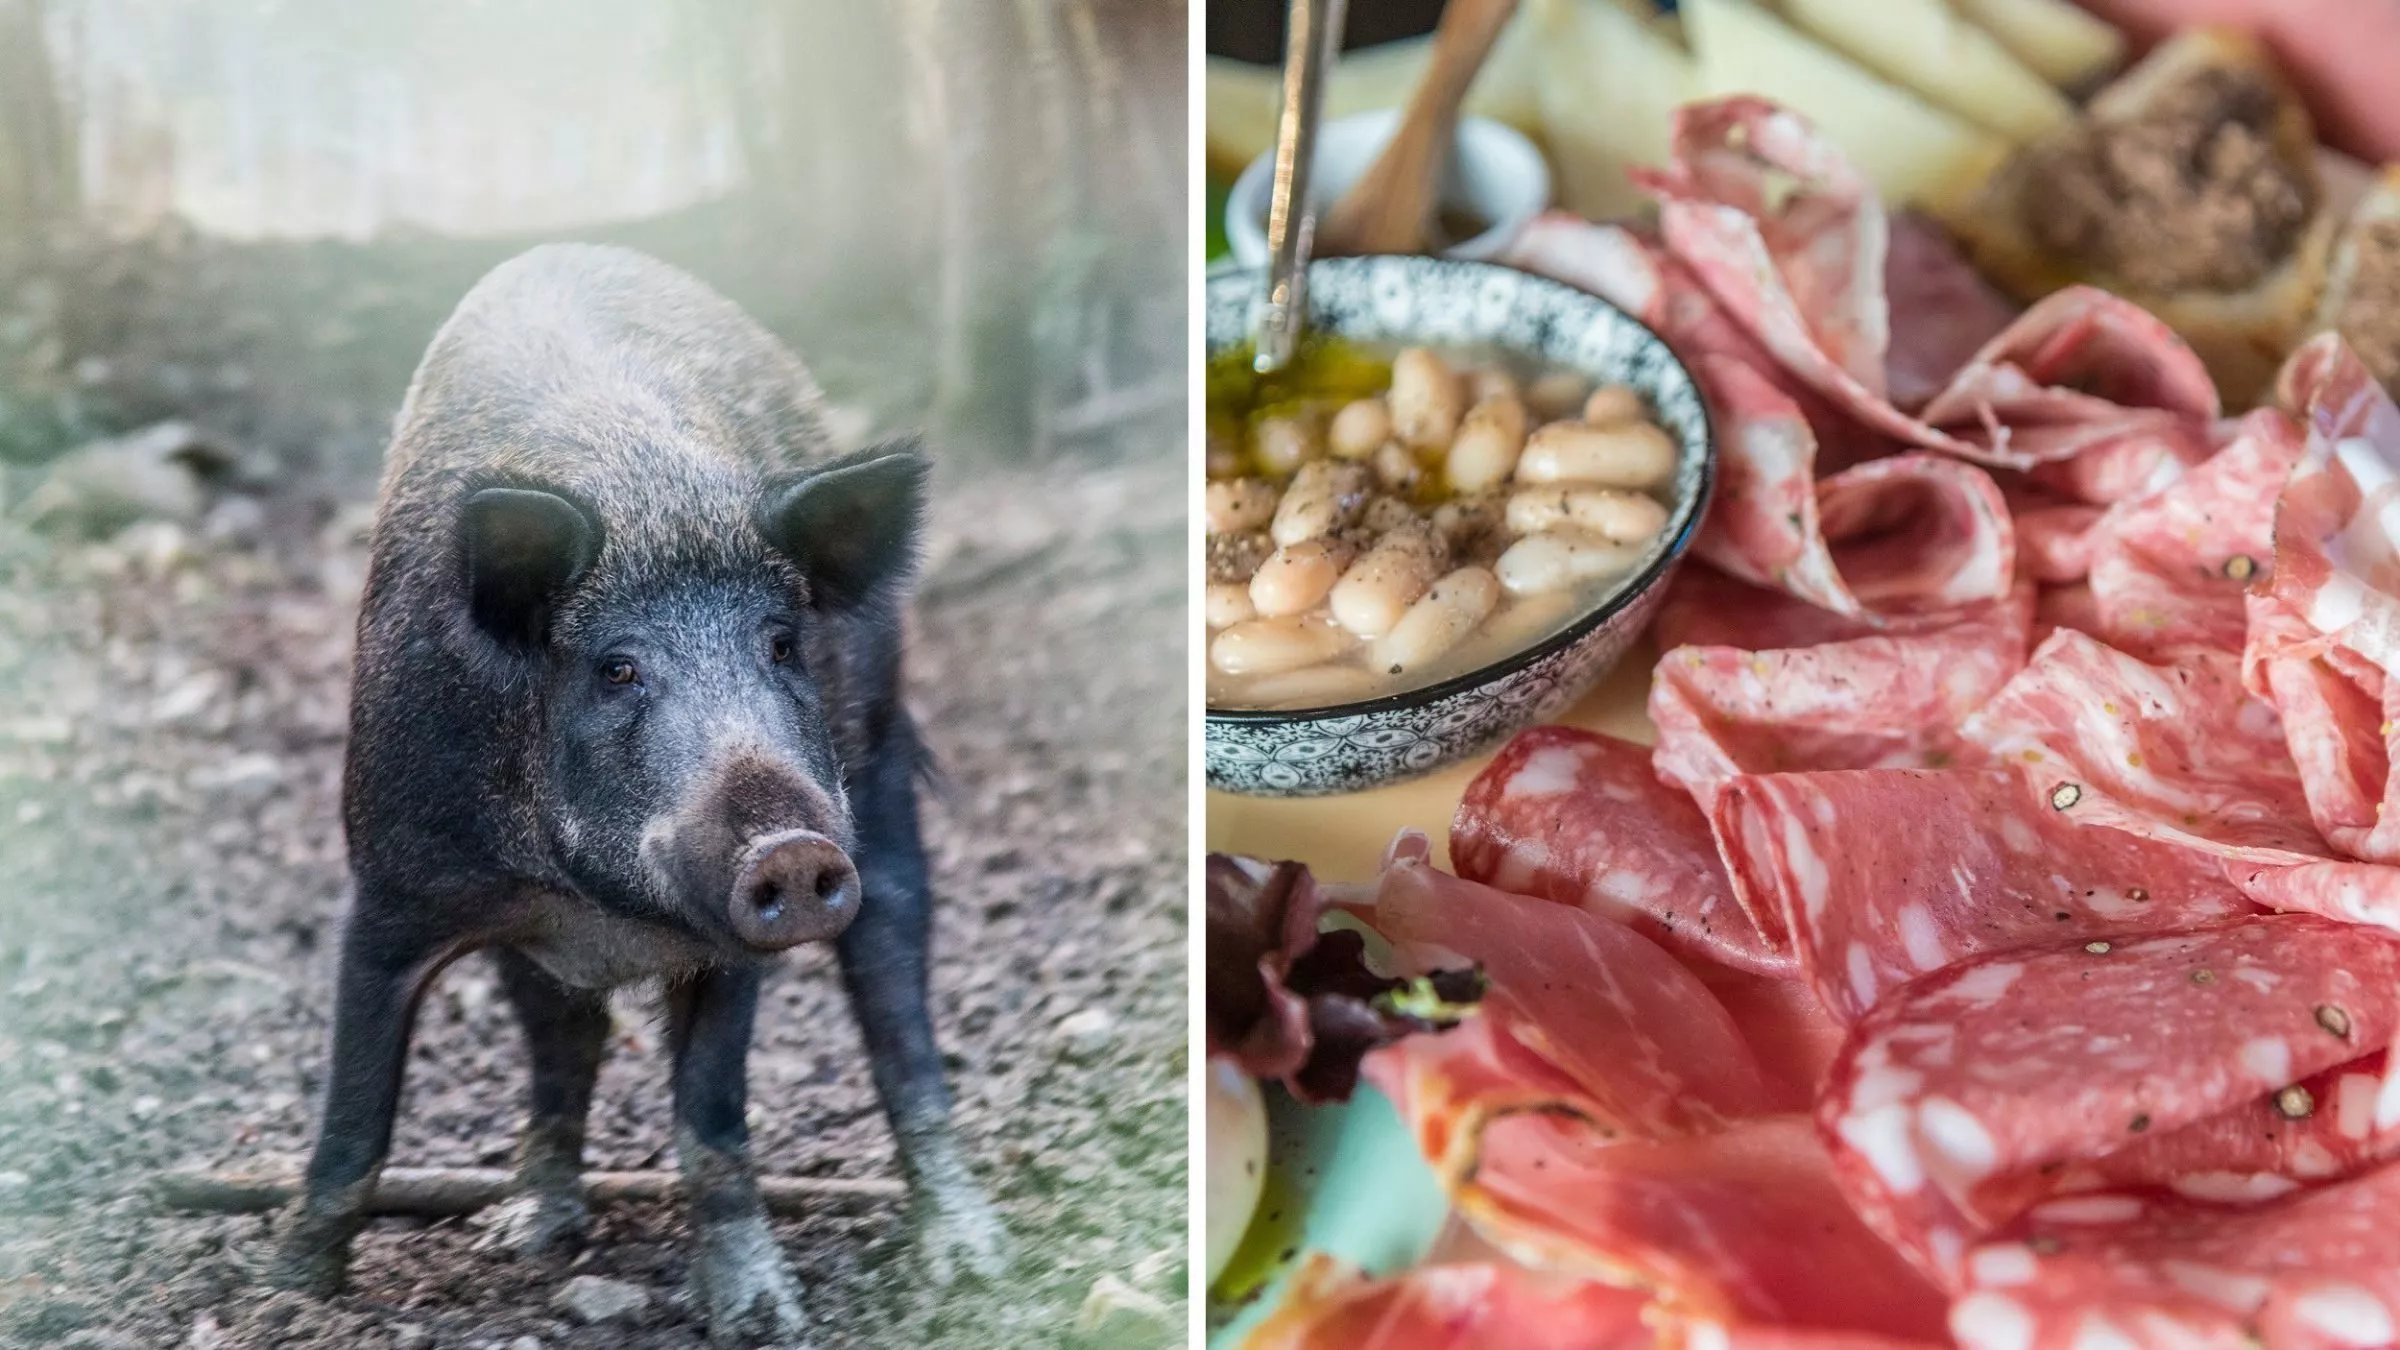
pixel 967 213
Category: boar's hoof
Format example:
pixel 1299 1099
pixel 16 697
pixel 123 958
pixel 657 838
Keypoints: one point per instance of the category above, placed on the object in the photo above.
pixel 743 1285
pixel 957 1227
pixel 538 1223
pixel 314 1257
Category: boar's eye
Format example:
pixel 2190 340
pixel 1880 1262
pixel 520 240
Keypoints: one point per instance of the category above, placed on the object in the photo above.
pixel 779 648
pixel 618 670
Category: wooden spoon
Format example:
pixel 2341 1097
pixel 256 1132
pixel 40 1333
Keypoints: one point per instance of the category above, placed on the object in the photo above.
pixel 1391 209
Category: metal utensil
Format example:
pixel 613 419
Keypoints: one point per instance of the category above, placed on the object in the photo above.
pixel 1314 34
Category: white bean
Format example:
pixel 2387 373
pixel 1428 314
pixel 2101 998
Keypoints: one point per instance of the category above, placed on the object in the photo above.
pixel 1614 403
pixel 1425 399
pixel 1488 443
pixel 1228 604
pixel 1283 444
pixel 1525 620
pixel 1296 577
pixel 1397 468
pixel 1359 429
pixel 1266 646
pixel 1630 454
pixel 1385 514
pixel 1623 517
pixel 1557 559
pixel 1324 496
pixel 1438 621
pixel 1472 526
pixel 1492 382
pixel 1387 579
pixel 1320 686
pixel 1557 395
pixel 1238 504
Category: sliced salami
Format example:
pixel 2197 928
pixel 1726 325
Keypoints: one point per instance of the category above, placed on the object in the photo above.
pixel 2055 539
pixel 1740 1225
pixel 1956 1092
pixel 2170 569
pixel 1942 310
pixel 1879 701
pixel 2314 1270
pixel 1779 228
pixel 2324 630
pixel 1904 534
pixel 1579 818
pixel 2177 752
pixel 1883 876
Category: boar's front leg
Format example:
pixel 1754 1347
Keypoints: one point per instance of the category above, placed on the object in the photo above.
pixel 566 1036
pixel 385 966
pixel 740 1278
pixel 883 956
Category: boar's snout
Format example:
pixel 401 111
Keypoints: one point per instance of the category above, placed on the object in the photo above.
pixel 793 887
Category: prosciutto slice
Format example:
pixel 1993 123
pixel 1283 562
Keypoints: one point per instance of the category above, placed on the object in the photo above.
pixel 1579 818
pixel 1956 1093
pixel 1745 1224
pixel 1883 876
pixel 1650 1049
pixel 1483 1305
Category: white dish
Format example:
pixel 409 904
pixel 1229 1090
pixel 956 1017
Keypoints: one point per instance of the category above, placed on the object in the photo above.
pixel 1494 174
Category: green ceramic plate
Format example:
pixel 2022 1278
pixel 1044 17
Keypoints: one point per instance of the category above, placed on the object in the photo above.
pixel 1346 1180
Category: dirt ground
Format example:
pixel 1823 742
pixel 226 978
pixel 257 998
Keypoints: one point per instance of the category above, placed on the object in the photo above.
pixel 172 706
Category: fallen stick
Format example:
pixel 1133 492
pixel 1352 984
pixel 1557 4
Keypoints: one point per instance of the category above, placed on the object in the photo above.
pixel 436 1192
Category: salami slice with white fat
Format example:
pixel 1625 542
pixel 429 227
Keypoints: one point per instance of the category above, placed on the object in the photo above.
pixel 2311 1272
pixel 1579 818
pixel 1882 876
pixel 2324 630
pixel 2179 752
pixel 1785 236
pixel 1886 700
pixel 2171 569
pixel 1956 1092
pixel 1902 534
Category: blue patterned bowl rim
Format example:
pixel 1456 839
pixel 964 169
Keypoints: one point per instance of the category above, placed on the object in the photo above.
pixel 1686 523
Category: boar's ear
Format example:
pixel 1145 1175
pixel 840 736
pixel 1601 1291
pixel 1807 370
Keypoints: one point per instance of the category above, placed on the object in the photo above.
pixel 523 547
pixel 852 524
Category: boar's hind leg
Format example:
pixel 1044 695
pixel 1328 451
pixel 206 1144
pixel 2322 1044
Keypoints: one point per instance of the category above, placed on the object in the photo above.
pixel 884 964
pixel 566 1036
pixel 740 1278
pixel 375 1000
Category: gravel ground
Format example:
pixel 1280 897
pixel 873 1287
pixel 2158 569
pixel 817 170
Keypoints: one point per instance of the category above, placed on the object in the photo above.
pixel 172 709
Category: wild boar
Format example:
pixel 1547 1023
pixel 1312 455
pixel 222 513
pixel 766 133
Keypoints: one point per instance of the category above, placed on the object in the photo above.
pixel 628 705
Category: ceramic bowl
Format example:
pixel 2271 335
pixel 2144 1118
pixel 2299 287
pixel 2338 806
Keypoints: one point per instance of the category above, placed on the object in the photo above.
pixel 1494 174
pixel 1444 302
